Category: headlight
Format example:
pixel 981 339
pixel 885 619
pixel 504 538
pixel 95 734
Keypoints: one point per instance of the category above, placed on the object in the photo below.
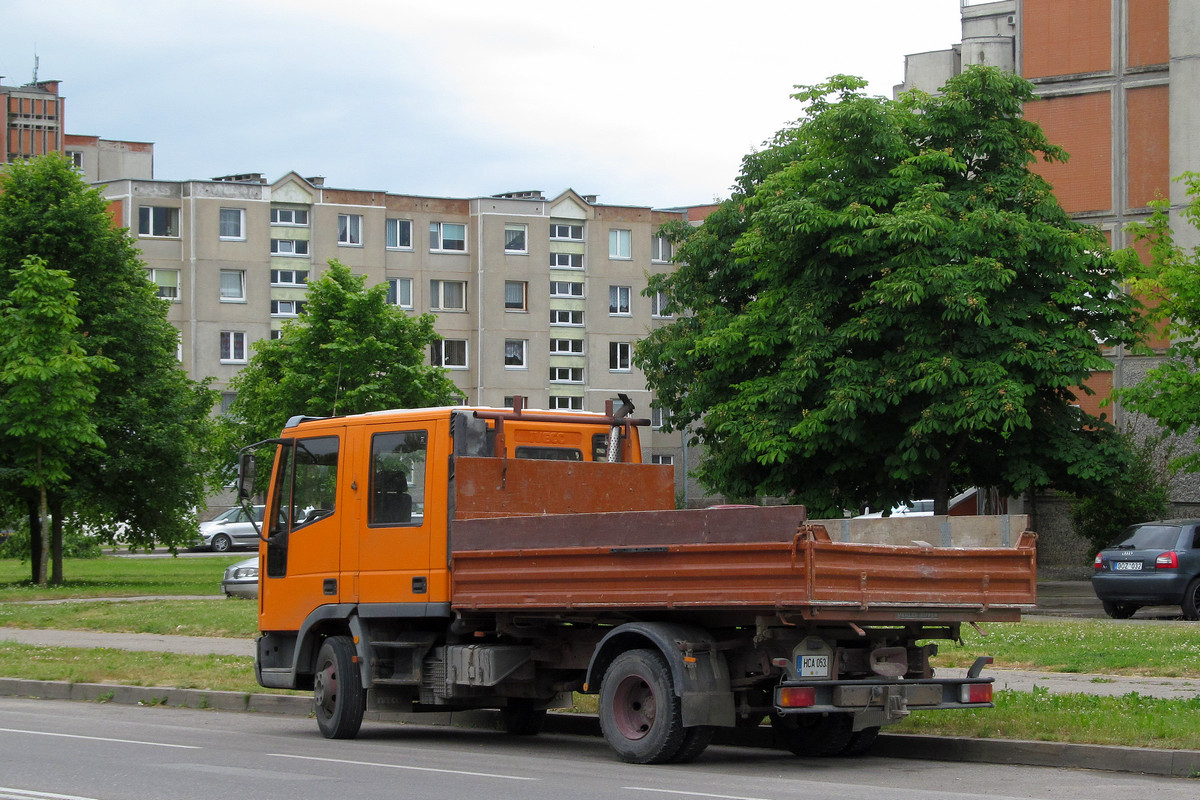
pixel 246 572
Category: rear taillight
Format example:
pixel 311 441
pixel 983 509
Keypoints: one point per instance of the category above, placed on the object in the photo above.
pixel 1099 562
pixel 797 696
pixel 976 693
pixel 1167 560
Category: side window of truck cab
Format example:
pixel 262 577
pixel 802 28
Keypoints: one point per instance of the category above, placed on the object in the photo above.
pixel 398 478
pixel 306 488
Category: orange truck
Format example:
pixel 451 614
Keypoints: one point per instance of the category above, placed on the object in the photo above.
pixel 468 558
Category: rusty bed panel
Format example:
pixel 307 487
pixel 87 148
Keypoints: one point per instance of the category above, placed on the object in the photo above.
pixel 499 487
pixel 744 563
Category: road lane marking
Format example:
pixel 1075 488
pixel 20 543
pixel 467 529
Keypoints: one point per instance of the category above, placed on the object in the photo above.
pixel 404 766
pixel 100 739
pixel 20 794
pixel 689 794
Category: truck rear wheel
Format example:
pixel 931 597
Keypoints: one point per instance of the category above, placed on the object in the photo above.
pixel 813 734
pixel 522 718
pixel 338 694
pixel 639 712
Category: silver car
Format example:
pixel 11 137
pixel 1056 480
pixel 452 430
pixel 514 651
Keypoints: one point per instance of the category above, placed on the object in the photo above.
pixel 230 529
pixel 241 579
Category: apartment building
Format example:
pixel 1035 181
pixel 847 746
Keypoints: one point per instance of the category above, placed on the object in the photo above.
pixel 539 297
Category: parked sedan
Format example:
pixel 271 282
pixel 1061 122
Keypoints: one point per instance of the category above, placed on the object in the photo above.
pixel 1154 564
pixel 241 579
pixel 230 529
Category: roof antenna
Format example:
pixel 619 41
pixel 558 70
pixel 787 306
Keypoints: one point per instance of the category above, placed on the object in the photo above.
pixel 35 67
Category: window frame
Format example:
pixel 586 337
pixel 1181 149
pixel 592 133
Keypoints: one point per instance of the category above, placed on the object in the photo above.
pixel 241 276
pixel 575 320
pixel 523 230
pixel 438 353
pixel 297 307
pixel 556 232
pixel 523 362
pixel 658 245
pixel 576 348
pixel 556 286
pixel 572 375
pixel 620 353
pixel 571 257
pixel 147 222
pixel 437 296
pixel 277 277
pixel 237 341
pixel 393 295
pixel 276 213
pixel 524 303
pixel 620 244
pixel 275 251
pixel 658 302
pixel 620 301
pixel 437 237
pixel 573 402
pixel 240 236
pixel 392 237
pixel 350 234
pixel 153 273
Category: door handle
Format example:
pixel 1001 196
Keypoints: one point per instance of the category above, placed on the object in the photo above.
pixel 331 586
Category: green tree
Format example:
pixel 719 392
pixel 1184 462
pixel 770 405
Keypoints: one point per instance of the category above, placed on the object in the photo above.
pixel 47 388
pixel 349 352
pixel 892 305
pixel 1170 392
pixel 1137 494
pixel 148 478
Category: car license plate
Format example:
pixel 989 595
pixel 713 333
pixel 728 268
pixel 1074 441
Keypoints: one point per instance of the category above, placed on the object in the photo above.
pixel 814 666
pixel 1127 566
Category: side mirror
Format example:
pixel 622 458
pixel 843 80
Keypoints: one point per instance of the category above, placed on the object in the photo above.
pixel 245 477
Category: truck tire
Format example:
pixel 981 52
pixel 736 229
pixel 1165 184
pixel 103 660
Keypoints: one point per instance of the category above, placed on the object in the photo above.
pixel 1119 610
pixel 640 714
pixel 521 718
pixel 860 741
pixel 695 742
pixel 338 695
pixel 1191 600
pixel 813 734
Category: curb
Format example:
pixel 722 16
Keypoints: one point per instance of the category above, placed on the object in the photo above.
pixel 1110 758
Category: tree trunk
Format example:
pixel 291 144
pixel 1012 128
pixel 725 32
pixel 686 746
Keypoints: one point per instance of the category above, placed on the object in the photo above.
pixel 56 542
pixel 35 538
pixel 44 525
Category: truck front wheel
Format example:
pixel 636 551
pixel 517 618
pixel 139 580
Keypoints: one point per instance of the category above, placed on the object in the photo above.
pixel 337 690
pixel 639 712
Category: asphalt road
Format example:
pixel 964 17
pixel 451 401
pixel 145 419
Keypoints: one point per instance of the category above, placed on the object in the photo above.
pixel 105 752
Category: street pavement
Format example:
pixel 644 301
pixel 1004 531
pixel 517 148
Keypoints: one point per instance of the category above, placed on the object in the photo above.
pixel 1057 598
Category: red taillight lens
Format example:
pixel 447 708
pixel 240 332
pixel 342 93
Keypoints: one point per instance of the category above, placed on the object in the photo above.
pixel 1099 562
pixel 797 696
pixel 976 693
pixel 1167 560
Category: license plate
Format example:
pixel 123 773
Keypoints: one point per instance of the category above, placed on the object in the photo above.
pixel 1127 566
pixel 814 666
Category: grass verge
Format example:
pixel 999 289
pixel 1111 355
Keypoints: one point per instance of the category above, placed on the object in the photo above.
pixel 115 576
pixel 216 617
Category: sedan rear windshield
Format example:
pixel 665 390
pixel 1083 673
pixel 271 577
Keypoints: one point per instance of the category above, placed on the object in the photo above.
pixel 1150 537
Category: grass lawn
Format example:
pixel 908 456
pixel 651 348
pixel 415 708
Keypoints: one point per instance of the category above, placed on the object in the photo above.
pixel 116 576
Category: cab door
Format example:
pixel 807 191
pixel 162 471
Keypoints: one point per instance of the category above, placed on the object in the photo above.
pixel 399 506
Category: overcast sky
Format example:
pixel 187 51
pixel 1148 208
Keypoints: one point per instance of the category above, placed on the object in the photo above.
pixel 642 103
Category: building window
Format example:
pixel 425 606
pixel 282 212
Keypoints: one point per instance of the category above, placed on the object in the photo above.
pixel 661 249
pixel 350 229
pixel 514 295
pixel 76 157
pixel 566 347
pixel 566 260
pixel 449 353
pixel 448 295
pixel 289 247
pixel 561 403
pixel 289 216
pixel 566 288
pixel 286 308
pixel 289 277
pixel 658 305
pixel 233 286
pixel 618 300
pixel 166 282
pixel 572 233
pixel 661 459
pixel 447 236
pixel 620 244
pixel 514 353
pixel 232 221
pixel 618 356
pixel 560 316
pixel 276 334
pixel 399 234
pixel 566 374
pixel 400 292
pixel 233 347
pixel 514 239
pixel 659 417
pixel 158 221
